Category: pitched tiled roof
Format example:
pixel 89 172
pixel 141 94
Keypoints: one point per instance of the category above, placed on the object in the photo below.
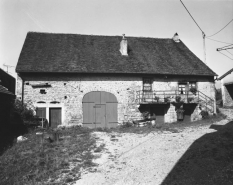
pixel 47 52
pixel 5 90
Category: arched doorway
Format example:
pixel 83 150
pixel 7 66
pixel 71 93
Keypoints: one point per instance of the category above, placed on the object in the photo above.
pixel 99 109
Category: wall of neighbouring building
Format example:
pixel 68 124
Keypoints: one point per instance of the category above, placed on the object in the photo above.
pixel 227 95
pixel 7 81
pixel 69 91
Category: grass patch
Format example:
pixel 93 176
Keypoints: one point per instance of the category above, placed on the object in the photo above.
pixel 36 162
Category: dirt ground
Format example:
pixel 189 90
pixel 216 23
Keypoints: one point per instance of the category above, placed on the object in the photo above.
pixel 154 158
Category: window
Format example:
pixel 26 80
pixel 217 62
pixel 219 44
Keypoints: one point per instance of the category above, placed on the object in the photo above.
pixel 42 91
pixel 182 88
pixel 147 84
pixel 192 85
pixel 185 86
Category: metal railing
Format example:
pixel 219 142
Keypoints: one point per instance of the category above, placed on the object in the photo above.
pixel 167 96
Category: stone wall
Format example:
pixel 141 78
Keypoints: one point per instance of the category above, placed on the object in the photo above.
pixel 69 92
pixel 227 99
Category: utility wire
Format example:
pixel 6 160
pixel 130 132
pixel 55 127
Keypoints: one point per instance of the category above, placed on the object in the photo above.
pixel 225 55
pixel 229 52
pixel 192 17
pixel 203 34
pixel 219 41
pixel 225 46
pixel 221 29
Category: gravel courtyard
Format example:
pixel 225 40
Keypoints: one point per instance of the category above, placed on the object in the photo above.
pixel 133 159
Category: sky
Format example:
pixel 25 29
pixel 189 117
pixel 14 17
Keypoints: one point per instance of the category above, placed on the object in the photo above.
pixel 143 18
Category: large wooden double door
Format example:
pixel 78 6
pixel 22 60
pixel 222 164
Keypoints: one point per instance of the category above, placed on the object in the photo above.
pixel 99 109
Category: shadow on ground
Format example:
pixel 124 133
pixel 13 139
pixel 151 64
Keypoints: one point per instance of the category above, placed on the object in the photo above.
pixel 208 161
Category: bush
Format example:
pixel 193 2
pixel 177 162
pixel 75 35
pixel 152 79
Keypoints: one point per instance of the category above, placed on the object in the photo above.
pixel 21 113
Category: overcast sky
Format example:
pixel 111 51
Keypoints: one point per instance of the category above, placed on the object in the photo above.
pixel 146 18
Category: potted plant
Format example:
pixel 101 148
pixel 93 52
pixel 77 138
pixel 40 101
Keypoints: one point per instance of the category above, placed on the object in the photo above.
pixel 178 103
pixel 193 90
pixel 178 98
pixel 167 99
pixel 190 99
pixel 156 98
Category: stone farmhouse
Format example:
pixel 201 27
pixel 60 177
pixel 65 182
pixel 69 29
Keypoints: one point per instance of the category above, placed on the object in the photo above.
pixel 101 81
pixel 227 88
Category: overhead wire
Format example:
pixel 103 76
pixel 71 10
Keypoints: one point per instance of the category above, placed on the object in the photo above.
pixel 207 37
pixel 229 52
pixel 192 17
pixel 226 46
pixel 225 55
pixel 220 30
pixel 219 41
pixel 203 34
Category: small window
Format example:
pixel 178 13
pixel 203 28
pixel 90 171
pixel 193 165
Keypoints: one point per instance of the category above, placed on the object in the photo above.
pixel 192 85
pixel 147 84
pixel 182 88
pixel 42 91
pixel 40 102
pixel 54 102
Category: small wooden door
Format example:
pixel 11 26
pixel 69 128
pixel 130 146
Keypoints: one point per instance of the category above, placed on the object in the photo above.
pixel 54 117
pixel 100 115
pixel 41 112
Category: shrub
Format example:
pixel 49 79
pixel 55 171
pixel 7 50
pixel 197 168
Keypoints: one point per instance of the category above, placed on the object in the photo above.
pixel 21 113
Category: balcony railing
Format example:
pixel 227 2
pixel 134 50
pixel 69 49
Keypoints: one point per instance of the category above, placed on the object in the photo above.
pixel 167 96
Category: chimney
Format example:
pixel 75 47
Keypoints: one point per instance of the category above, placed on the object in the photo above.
pixel 176 38
pixel 123 46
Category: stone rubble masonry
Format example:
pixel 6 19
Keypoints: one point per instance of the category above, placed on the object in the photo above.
pixel 227 99
pixel 70 90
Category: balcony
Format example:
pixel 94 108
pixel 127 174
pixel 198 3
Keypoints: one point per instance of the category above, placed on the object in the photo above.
pixel 167 96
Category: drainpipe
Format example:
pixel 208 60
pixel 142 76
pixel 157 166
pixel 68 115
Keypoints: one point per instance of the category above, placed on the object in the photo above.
pixel 22 91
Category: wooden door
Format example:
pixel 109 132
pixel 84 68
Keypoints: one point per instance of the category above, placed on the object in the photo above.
pixel 99 109
pixel 41 112
pixel 100 115
pixel 54 117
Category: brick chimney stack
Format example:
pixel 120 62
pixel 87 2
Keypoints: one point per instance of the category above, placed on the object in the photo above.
pixel 123 46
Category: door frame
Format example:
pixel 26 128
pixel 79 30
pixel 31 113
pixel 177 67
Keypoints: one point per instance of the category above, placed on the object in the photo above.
pixel 104 100
pixel 51 105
